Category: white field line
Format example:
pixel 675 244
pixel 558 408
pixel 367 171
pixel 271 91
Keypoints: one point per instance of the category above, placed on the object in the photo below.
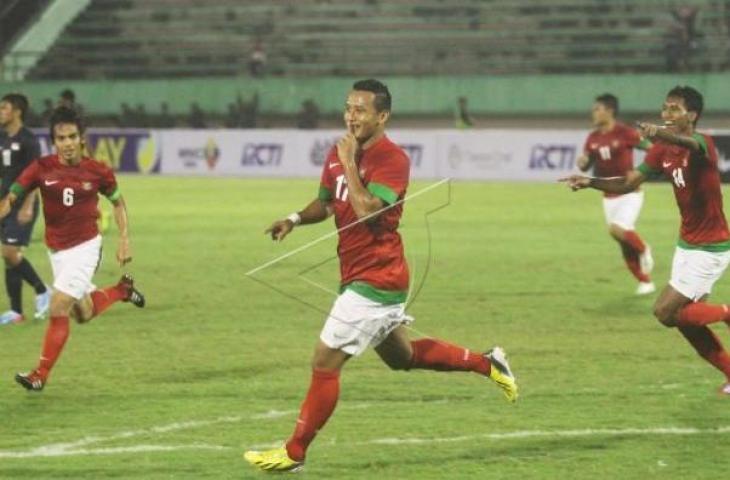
pixel 78 447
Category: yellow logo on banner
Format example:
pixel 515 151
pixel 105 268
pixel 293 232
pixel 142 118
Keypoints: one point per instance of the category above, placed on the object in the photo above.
pixel 146 154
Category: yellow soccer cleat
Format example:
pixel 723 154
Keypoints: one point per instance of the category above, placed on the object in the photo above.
pixel 276 460
pixel 501 373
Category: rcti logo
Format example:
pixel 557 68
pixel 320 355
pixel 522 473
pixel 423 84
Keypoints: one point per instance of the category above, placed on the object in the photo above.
pixel 262 154
pixel 552 157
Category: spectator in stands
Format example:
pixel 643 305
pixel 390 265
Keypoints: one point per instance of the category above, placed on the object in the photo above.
pixel 682 38
pixel 257 60
pixel 196 119
pixel 308 116
pixel 142 120
pixel 233 117
pixel 47 111
pixel 463 119
pixel 67 98
pixel 126 118
pixel 165 119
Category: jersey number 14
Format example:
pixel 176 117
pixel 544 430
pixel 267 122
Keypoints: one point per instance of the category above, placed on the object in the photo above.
pixel 678 178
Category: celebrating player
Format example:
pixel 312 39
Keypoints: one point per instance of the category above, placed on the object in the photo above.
pixel 609 149
pixel 69 185
pixel 363 184
pixel 18 147
pixel 689 160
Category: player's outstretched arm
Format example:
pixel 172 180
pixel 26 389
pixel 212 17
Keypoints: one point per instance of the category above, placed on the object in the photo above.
pixel 124 253
pixel 317 211
pixel 6 204
pixel 584 162
pixel 652 132
pixel 619 185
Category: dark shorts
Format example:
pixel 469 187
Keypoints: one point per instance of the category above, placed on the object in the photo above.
pixel 15 234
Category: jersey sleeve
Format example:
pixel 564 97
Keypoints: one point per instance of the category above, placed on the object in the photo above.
pixel 633 139
pixel 28 180
pixel 652 161
pixel 326 184
pixel 390 180
pixel 108 184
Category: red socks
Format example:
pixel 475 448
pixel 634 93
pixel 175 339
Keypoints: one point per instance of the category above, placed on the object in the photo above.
pixel 700 314
pixel 708 347
pixel 631 257
pixel 56 335
pixel 105 298
pixel 633 240
pixel 433 354
pixel 317 407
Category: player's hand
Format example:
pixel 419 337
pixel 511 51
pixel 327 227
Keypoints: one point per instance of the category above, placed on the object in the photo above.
pixel 347 147
pixel 25 216
pixel 576 182
pixel 280 229
pixel 648 130
pixel 124 253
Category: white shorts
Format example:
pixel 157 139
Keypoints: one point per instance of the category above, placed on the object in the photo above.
pixel 74 268
pixel 694 272
pixel 623 210
pixel 356 323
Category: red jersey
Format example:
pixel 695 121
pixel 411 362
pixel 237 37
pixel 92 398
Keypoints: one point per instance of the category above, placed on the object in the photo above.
pixel 372 261
pixel 612 152
pixel 696 182
pixel 69 197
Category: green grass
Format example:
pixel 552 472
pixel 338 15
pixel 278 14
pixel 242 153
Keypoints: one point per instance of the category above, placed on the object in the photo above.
pixel 529 267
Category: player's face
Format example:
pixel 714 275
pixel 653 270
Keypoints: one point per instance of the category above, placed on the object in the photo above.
pixel 361 117
pixel 67 140
pixel 7 113
pixel 675 114
pixel 600 114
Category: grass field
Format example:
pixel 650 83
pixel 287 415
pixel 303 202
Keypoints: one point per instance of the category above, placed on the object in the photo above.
pixel 218 363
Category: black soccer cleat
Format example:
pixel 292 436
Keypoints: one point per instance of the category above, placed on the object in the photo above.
pixel 30 381
pixel 134 296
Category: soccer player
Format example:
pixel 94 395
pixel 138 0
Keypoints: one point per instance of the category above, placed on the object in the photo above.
pixel 18 147
pixel 609 149
pixel 363 184
pixel 69 185
pixel 689 160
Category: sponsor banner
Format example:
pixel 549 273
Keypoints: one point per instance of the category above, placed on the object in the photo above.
pixel 125 150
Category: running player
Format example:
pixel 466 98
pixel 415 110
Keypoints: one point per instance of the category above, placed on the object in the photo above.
pixel 18 147
pixel 69 185
pixel 363 184
pixel 609 149
pixel 689 160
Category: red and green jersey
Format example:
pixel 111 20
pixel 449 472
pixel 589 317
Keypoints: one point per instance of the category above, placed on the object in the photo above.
pixel 696 181
pixel 612 152
pixel 70 197
pixel 372 261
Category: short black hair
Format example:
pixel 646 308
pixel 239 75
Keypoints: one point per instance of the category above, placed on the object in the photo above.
pixel 64 114
pixel 68 94
pixel 382 94
pixel 692 99
pixel 609 100
pixel 18 101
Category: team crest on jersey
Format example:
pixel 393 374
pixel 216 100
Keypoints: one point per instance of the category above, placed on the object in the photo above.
pixel 15 146
pixel 86 185
pixel 615 144
pixel 362 172
pixel 594 146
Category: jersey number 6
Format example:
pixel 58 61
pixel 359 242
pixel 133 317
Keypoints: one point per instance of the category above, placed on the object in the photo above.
pixel 68 196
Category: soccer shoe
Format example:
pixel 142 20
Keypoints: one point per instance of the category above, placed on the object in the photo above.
pixel 42 304
pixel 501 373
pixel 11 316
pixel 276 460
pixel 725 389
pixel 134 296
pixel 645 288
pixel 646 261
pixel 31 381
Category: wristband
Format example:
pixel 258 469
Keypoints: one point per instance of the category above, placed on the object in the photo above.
pixel 295 218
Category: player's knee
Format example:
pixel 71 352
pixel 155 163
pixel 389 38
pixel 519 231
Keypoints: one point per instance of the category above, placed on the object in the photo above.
pixel 665 314
pixel 12 259
pixel 616 232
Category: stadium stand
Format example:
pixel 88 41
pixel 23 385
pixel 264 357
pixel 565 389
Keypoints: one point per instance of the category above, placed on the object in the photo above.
pixel 14 18
pixel 131 39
